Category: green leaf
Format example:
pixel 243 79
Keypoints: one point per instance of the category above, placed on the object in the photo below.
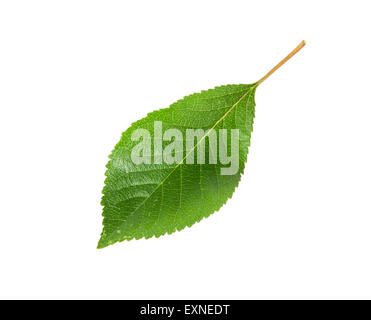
pixel 155 197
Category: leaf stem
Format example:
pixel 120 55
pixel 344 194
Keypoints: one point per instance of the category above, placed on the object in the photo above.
pixel 289 56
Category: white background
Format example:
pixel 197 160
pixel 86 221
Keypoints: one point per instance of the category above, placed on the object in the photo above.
pixel 75 74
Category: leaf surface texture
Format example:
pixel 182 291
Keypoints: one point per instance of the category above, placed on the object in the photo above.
pixel 142 201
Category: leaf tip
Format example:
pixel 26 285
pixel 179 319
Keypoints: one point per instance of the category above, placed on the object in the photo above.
pixel 102 243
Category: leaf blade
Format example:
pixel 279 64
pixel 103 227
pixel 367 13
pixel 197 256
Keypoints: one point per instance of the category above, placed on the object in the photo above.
pixel 152 200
